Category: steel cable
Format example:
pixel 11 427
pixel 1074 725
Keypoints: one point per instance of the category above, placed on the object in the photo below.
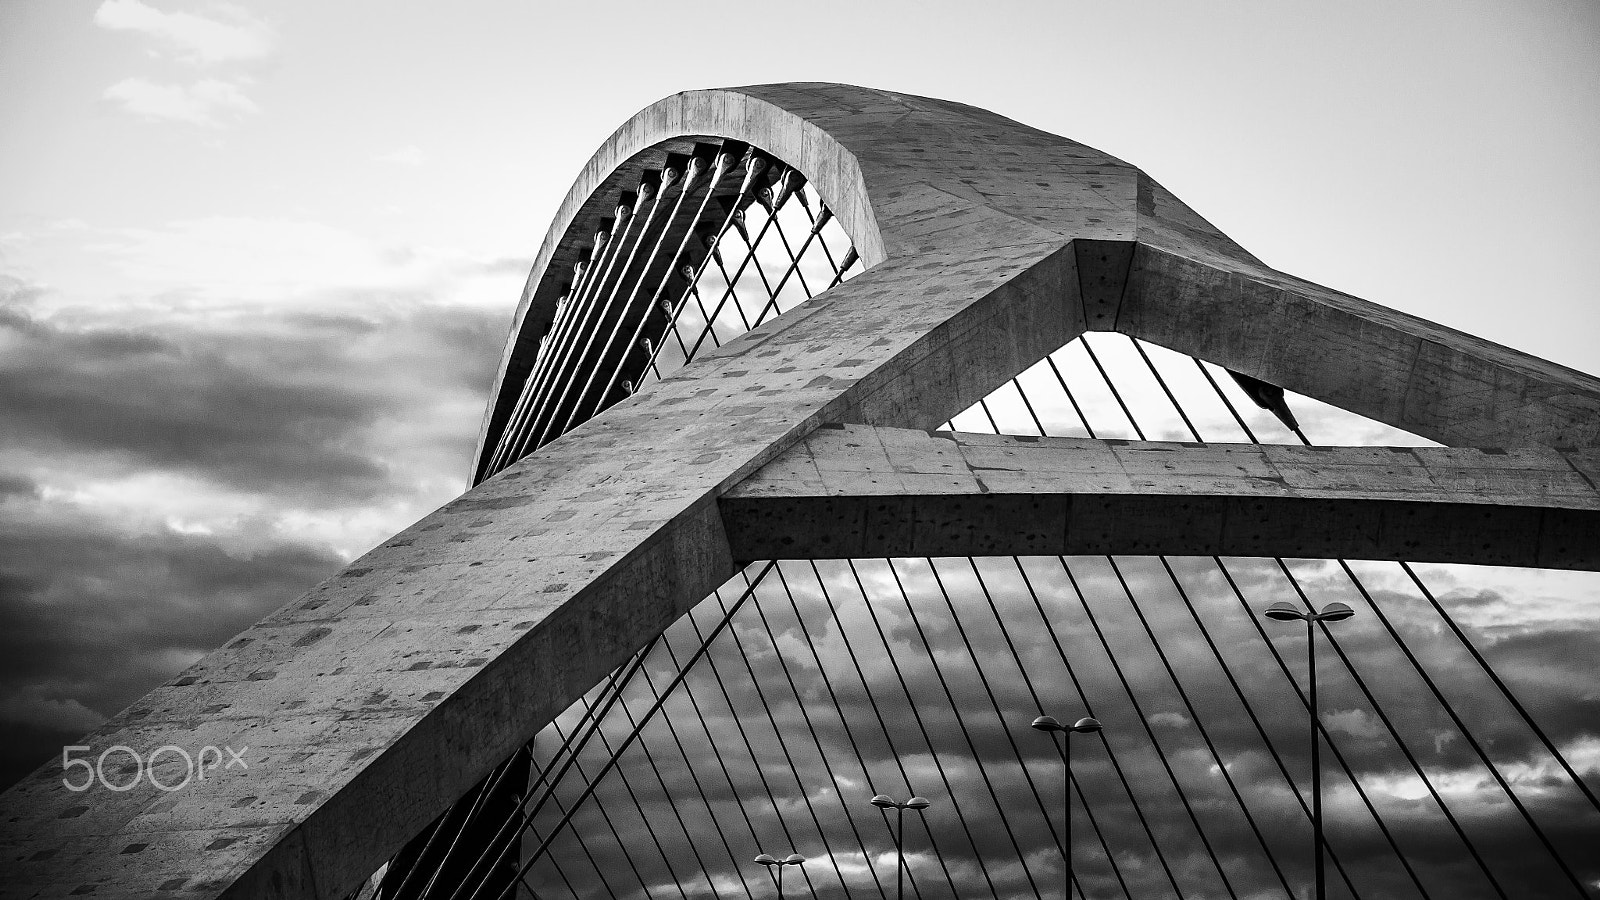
pixel 655 191
pixel 1466 733
pixel 877 712
pixel 916 714
pixel 822 752
pixel 1138 709
pixel 1088 706
pixel 626 212
pixel 777 731
pixel 633 734
pixel 1505 690
pixel 1027 681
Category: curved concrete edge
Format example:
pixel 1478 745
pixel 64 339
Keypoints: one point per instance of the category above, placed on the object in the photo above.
pixel 720 113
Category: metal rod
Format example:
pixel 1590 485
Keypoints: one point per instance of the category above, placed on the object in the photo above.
pixel 690 177
pixel 652 188
pixel 1316 763
pixel 581 317
pixel 634 733
pixel 751 171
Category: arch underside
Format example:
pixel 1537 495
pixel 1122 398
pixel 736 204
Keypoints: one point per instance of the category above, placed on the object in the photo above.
pixel 718 237
pixel 679 124
pixel 385 696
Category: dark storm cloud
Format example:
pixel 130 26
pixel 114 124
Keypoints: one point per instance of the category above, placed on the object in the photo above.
pixel 16 486
pixel 329 415
pixel 106 612
pixel 279 407
pixel 92 618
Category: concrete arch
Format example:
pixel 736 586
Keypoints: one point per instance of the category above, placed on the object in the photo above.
pixel 892 167
pixel 901 171
pixel 382 695
pixel 832 170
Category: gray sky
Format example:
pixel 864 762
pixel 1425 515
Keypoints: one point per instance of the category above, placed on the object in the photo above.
pixel 256 261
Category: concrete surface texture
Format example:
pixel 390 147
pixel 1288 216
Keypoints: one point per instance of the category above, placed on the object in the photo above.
pixel 861 492
pixel 374 701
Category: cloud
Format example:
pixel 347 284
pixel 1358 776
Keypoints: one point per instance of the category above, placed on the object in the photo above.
pixel 239 262
pixel 16 293
pixel 93 612
pixel 1354 722
pixel 197 39
pixel 409 155
pixel 166 481
pixel 280 405
pixel 32 706
pixel 16 485
pixel 211 102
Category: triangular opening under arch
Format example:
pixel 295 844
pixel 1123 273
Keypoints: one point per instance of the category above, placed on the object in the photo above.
pixel 1108 385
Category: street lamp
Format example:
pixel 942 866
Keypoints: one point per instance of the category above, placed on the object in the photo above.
pixel 884 803
pixel 776 866
pixel 1284 611
pixel 1052 727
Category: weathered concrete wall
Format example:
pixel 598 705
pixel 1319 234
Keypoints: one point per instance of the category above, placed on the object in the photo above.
pixel 856 491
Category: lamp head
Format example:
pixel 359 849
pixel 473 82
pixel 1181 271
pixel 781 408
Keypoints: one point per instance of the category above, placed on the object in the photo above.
pixel 1087 725
pixel 1334 612
pixel 1047 723
pixel 793 859
pixel 767 859
pixel 882 801
pixel 917 803
pixel 1284 611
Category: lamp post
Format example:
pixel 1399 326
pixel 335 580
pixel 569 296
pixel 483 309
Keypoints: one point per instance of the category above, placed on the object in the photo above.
pixel 1049 725
pixel 884 803
pixel 776 866
pixel 1283 611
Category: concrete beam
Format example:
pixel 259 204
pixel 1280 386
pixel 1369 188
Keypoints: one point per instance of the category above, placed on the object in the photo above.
pixel 1427 379
pixel 857 491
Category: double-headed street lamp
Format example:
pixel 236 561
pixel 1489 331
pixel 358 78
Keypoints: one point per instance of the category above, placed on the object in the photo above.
pixel 1049 725
pixel 885 803
pixel 1284 611
pixel 776 866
